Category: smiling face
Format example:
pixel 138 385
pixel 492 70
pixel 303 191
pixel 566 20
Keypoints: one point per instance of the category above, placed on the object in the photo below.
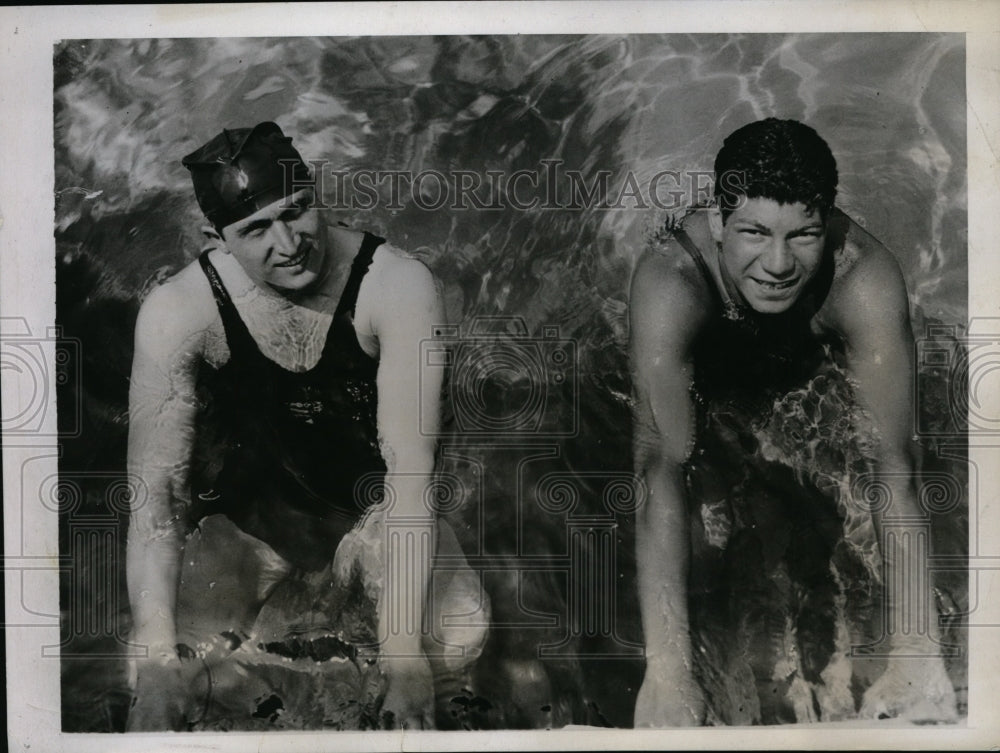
pixel 283 245
pixel 769 251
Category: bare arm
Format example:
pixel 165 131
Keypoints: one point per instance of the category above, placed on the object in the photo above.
pixel 873 315
pixel 875 324
pixel 664 316
pixel 407 309
pixel 162 412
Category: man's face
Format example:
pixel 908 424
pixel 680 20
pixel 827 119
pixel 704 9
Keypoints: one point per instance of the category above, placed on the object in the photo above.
pixel 770 251
pixel 282 245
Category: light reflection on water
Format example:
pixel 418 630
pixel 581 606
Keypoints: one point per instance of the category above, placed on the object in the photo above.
pixel 891 106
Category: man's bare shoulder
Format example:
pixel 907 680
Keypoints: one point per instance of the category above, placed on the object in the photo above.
pixel 668 262
pixel 179 311
pixel 399 291
pixel 399 271
pixel 399 281
pixel 668 289
pixel 867 282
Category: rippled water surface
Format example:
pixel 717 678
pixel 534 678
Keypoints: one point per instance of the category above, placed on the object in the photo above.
pixel 891 106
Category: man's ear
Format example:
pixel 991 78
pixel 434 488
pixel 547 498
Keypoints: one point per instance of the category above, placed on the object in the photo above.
pixel 715 224
pixel 213 239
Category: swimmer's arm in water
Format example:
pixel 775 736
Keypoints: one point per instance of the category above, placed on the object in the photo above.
pixel 666 313
pixel 871 311
pixel 402 305
pixel 162 410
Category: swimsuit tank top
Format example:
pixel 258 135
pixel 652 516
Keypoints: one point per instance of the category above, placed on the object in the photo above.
pixel 287 455
pixel 745 358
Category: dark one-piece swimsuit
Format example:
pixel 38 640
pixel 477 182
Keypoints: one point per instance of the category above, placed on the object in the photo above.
pixel 781 530
pixel 288 456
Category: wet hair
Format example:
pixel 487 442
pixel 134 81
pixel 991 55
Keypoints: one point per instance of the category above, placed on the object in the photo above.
pixel 783 160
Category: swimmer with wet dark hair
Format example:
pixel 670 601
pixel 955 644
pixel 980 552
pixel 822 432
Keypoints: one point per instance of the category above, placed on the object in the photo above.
pixel 275 384
pixel 742 305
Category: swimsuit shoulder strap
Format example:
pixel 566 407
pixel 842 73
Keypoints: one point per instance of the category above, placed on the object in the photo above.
pixel 360 265
pixel 237 335
pixel 699 259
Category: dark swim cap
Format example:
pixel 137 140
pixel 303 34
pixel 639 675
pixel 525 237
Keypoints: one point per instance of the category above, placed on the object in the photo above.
pixel 242 170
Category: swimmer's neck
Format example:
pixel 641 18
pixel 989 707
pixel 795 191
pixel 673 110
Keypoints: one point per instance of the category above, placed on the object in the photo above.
pixel 695 226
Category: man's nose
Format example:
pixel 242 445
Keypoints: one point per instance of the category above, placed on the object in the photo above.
pixel 778 261
pixel 284 239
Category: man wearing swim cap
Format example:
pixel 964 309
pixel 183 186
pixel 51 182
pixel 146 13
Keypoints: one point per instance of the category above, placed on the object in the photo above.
pixel 275 383
pixel 733 318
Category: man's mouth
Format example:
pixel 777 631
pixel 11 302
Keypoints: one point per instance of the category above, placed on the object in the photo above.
pixel 300 257
pixel 775 286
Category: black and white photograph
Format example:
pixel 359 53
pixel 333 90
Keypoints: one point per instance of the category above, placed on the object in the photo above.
pixel 488 388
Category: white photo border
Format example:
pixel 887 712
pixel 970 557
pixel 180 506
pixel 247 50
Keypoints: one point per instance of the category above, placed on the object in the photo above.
pixel 27 289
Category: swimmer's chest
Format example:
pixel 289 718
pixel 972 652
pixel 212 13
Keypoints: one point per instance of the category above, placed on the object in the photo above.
pixel 292 336
pixel 762 356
